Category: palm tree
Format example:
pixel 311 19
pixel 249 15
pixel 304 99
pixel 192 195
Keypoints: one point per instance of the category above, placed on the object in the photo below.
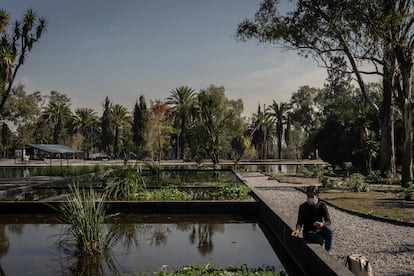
pixel 15 46
pixel 86 123
pixel 279 112
pixel 120 119
pixel 260 132
pixel 181 102
pixel 57 114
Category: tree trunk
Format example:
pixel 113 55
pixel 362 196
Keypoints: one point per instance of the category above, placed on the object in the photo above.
pixel 407 160
pixel 405 60
pixel 386 117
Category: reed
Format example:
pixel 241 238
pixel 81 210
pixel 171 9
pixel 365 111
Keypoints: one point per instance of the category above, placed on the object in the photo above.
pixel 84 215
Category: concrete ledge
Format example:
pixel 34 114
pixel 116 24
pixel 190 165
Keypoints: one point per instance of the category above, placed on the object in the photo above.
pixel 312 259
pixel 154 207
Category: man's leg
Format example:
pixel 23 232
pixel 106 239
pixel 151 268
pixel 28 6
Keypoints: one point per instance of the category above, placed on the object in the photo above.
pixel 313 237
pixel 327 234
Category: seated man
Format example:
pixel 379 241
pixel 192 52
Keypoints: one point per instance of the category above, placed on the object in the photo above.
pixel 314 218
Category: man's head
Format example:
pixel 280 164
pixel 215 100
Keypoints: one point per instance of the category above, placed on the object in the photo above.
pixel 312 191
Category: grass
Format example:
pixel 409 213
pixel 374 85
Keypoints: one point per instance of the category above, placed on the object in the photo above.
pixel 84 215
pixel 381 201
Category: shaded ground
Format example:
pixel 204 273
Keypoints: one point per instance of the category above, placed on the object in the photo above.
pixel 382 201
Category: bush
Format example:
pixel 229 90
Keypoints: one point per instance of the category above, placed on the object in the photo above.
pixel 357 183
pixel 232 192
pixel 328 182
pixel 407 193
pixel 169 193
pixel 124 182
pixel 305 171
pixel 374 177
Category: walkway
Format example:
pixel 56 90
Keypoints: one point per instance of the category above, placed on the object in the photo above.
pixel 390 248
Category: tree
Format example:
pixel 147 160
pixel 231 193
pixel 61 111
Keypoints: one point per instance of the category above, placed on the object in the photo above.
pixel 22 111
pixel 240 144
pixel 86 123
pixel 120 120
pixel 106 133
pixel 304 110
pixel 219 121
pixel 260 132
pixel 181 102
pixel 57 114
pixel 331 32
pixel 139 124
pixel 15 44
pixel 158 129
pixel 279 112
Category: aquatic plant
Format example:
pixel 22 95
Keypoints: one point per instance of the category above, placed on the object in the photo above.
pixel 84 215
pixel 169 193
pixel 232 192
pixel 124 182
pixel 211 269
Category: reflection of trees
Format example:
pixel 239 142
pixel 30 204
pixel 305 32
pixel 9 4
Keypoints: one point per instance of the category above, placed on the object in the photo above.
pixel 4 241
pixel 159 235
pixel 202 235
pixel 16 228
pixel 126 233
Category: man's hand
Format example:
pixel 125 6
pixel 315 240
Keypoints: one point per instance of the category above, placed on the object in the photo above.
pixel 295 233
pixel 318 224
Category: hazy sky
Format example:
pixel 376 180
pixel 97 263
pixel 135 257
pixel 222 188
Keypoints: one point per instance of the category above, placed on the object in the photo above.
pixel 127 48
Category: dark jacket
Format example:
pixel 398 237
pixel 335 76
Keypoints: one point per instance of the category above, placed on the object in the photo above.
pixel 308 214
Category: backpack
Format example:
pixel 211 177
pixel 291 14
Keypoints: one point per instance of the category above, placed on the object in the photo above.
pixel 359 265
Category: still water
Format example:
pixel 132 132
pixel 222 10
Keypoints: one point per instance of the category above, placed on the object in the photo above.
pixel 147 244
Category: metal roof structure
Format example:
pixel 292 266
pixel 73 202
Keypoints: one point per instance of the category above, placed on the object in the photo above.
pixel 54 148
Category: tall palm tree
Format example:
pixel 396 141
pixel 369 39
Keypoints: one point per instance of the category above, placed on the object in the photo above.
pixel 57 114
pixel 120 119
pixel 181 102
pixel 260 132
pixel 86 123
pixel 14 47
pixel 279 113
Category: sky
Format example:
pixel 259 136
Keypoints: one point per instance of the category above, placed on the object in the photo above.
pixel 127 48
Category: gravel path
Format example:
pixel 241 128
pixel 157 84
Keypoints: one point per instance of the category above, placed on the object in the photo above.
pixel 390 248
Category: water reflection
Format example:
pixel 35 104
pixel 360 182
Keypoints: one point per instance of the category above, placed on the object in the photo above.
pixel 139 247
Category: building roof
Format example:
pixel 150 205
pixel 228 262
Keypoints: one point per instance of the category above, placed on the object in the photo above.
pixel 54 148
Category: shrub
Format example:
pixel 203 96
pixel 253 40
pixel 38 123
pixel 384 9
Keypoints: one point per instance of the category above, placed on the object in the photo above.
pixel 328 182
pixel 232 192
pixel 305 171
pixel 407 193
pixel 169 193
pixel 357 183
pixel 328 170
pixel 375 177
pixel 124 182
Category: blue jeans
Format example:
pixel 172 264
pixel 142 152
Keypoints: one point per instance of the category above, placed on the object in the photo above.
pixel 325 235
